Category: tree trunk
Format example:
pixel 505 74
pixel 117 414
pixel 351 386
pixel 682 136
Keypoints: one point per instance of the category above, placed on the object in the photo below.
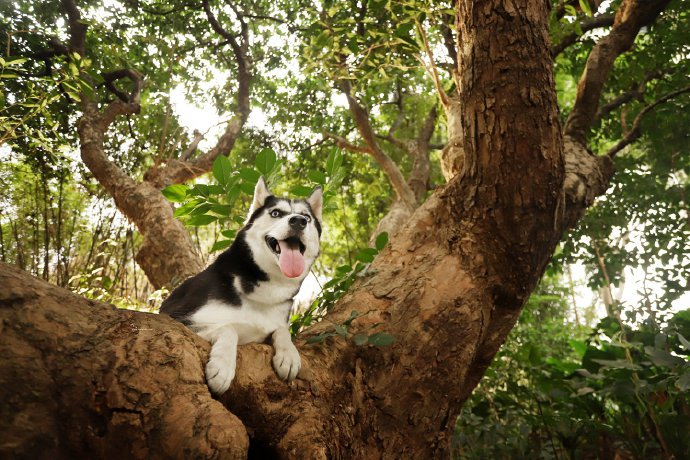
pixel 449 287
pixel 167 254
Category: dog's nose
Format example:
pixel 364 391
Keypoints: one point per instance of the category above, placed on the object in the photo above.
pixel 298 222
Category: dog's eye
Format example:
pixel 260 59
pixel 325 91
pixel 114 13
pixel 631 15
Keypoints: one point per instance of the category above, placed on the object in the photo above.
pixel 307 217
pixel 275 213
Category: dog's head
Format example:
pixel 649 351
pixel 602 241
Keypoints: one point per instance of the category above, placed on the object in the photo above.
pixel 284 234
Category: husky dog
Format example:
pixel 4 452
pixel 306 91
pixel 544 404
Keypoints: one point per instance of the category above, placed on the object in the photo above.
pixel 246 294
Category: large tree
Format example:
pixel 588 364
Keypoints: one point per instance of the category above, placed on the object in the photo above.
pixel 448 287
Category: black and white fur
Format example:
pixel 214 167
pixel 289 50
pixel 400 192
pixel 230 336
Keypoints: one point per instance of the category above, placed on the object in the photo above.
pixel 244 295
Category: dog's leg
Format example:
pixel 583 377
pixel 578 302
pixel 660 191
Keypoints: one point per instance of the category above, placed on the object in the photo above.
pixel 286 360
pixel 220 369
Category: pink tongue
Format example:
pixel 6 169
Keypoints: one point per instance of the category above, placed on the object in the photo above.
pixel 290 260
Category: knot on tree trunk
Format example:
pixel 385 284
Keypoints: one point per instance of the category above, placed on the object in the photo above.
pixel 586 177
pixel 453 158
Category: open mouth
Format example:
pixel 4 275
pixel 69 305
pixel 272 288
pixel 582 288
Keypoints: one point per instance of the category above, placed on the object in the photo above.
pixel 291 242
pixel 290 252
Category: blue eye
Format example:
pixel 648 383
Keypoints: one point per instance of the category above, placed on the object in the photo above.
pixel 307 217
pixel 275 213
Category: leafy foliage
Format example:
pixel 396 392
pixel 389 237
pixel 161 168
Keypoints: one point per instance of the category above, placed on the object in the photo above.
pixel 612 390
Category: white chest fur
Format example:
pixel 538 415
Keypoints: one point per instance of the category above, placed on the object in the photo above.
pixel 253 322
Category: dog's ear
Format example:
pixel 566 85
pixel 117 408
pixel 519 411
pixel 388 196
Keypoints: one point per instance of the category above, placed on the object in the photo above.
pixel 315 201
pixel 261 192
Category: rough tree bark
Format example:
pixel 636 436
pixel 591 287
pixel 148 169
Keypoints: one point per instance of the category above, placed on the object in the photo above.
pixel 84 379
pixel 171 258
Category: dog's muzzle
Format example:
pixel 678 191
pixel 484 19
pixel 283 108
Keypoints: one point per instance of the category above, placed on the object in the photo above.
pixel 290 252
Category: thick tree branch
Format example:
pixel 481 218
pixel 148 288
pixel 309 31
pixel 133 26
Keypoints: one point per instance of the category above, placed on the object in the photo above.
pixel 191 149
pixel 393 140
pixel 636 130
pixel 345 144
pixel 86 399
pixel 419 150
pixel 361 118
pixel 182 170
pixel 605 20
pixel 446 289
pixel 134 95
pixel 631 16
pixel 77 36
pixel 141 203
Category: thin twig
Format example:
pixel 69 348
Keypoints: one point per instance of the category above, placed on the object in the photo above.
pixel 636 130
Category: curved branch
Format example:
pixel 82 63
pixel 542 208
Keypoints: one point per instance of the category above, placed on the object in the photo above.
pixel 179 171
pixel 77 36
pixel 636 92
pixel 189 151
pixel 631 16
pixel 361 118
pixel 605 20
pixel 345 144
pixel 636 130
pixel 393 140
pixel 111 77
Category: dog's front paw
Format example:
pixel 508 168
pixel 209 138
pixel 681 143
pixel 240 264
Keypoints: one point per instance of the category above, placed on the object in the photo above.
pixel 219 374
pixel 287 362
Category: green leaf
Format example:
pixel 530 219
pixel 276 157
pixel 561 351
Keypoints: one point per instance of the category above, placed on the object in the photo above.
pixel 584 391
pixel 366 255
pixel 220 244
pixel 341 330
pixel 404 29
pixel 381 241
pixel 683 381
pixel 662 358
pixel 250 175
pixel 317 176
pixel 201 220
pixel 265 161
pixel 333 162
pixel 247 188
pixel 186 208
pixel 381 339
pixel 229 233
pixel 684 341
pixel 200 209
pixel 222 169
pixel 579 347
pixel 300 190
pixel 176 193
pixel 15 62
pixel 200 190
pixel 320 337
pixel 616 364
pixel 221 209
pixel 360 339
pixel 584 4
